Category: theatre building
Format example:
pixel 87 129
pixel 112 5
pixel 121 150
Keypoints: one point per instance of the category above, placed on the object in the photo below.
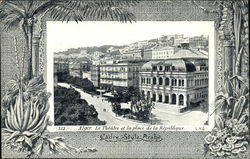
pixel 178 83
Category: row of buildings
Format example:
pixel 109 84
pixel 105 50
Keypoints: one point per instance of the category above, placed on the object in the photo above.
pixel 175 77
pixel 156 52
pixel 163 47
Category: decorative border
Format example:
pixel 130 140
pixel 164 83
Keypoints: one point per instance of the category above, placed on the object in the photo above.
pixel 223 42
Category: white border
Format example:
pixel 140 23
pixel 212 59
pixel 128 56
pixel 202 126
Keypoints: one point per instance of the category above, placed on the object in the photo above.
pixel 212 72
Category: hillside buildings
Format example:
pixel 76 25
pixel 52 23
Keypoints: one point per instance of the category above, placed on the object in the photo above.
pixel 172 71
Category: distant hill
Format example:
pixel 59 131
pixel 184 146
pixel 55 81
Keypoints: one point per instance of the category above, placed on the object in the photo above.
pixel 89 50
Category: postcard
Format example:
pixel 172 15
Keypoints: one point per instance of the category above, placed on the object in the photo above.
pixel 124 79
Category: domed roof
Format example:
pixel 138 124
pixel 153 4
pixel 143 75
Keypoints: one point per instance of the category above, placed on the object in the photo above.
pixel 148 65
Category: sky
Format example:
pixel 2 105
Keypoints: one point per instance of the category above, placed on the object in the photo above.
pixel 62 36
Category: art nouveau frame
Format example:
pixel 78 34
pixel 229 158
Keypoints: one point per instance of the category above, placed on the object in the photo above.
pixel 219 66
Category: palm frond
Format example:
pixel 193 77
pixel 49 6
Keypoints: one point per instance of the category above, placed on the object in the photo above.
pixel 10 16
pixel 11 22
pixel 14 6
pixel 116 10
pixel 80 10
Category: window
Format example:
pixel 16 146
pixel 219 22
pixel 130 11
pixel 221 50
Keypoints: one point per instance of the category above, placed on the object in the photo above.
pixel 160 98
pixel 167 81
pixel 174 82
pixel 167 68
pixel 181 99
pixel 166 99
pixel 179 82
pixel 173 97
pixel 148 95
pixel 160 81
pixel 160 68
pixel 154 68
pixel 148 80
pixel 173 68
pixel 154 97
pixel 182 82
pixel 143 94
pixel 154 80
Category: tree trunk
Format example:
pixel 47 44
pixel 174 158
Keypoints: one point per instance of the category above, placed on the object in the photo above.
pixel 30 36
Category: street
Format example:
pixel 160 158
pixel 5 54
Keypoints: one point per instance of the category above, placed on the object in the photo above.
pixel 158 116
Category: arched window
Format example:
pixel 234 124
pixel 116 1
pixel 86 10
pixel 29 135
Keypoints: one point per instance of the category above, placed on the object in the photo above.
pixel 166 99
pixel 173 97
pixel 181 99
pixel 160 98
pixel 148 95
pixel 160 81
pixel 167 81
pixel 160 68
pixel 182 82
pixel 154 98
pixel 142 94
pixel 154 80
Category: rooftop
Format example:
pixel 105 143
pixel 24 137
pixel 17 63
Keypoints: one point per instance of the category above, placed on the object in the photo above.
pixel 189 53
pixel 180 65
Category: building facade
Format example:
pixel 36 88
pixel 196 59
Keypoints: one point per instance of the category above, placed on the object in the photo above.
pixel 162 52
pixel 136 54
pixel 181 83
pixel 120 74
pixel 85 69
pixel 95 75
pixel 147 54
pixel 198 41
pixel 60 67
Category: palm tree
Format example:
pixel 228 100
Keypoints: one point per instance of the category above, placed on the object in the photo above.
pixel 24 13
